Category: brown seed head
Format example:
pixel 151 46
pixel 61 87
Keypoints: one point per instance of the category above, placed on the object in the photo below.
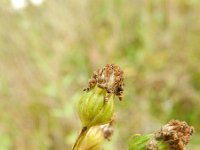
pixel 176 134
pixel 108 130
pixel 152 144
pixel 109 78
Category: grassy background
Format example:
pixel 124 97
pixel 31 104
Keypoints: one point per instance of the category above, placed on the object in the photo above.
pixel 47 54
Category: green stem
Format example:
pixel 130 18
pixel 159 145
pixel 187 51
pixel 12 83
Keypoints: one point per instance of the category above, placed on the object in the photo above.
pixel 80 138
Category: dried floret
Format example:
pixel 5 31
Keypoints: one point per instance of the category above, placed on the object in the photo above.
pixel 109 78
pixel 176 134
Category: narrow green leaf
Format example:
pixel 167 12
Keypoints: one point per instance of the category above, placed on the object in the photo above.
pixel 139 142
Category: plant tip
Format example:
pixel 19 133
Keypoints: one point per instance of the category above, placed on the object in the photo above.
pixel 109 78
pixel 176 134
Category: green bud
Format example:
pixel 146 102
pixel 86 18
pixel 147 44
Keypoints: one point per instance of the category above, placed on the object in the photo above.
pixel 92 108
pixel 96 106
pixel 93 140
pixel 96 136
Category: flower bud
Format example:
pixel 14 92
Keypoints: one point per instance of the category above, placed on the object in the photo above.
pixel 96 106
pixel 93 110
pixel 108 130
pixel 93 139
pixel 96 136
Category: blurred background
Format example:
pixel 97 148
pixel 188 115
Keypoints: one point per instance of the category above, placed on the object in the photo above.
pixel 49 49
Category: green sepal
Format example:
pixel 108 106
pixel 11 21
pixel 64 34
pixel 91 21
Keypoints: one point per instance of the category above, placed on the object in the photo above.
pixel 140 142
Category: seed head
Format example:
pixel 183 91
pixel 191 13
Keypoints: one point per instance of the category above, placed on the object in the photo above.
pixel 109 78
pixel 96 106
pixel 176 134
pixel 152 144
pixel 108 130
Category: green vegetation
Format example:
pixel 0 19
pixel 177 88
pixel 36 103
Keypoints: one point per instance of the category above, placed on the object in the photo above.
pixel 47 54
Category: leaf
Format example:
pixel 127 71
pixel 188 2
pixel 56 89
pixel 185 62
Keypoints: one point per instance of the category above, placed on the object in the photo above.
pixel 139 142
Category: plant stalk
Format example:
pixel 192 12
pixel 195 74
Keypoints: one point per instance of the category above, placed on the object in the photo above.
pixel 80 138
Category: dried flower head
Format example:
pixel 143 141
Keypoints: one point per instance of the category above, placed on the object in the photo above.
pixel 152 144
pixel 108 130
pixel 176 134
pixel 109 78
